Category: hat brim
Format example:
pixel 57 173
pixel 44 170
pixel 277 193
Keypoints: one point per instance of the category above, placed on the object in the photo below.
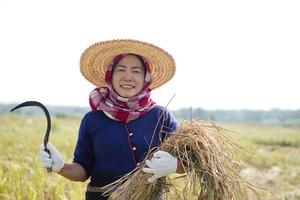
pixel 95 60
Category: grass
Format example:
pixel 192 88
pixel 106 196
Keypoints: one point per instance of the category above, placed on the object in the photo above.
pixel 21 174
pixel 272 160
pixel 273 157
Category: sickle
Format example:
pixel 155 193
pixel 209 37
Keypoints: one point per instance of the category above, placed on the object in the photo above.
pixel 46 137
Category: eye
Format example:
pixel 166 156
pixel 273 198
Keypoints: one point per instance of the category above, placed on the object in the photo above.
pixel 137 71
pixel 119 69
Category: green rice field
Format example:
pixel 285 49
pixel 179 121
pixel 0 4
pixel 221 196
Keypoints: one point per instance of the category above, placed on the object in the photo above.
pixel 271 159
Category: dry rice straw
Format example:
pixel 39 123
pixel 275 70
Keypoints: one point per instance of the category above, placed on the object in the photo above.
pixel 209 161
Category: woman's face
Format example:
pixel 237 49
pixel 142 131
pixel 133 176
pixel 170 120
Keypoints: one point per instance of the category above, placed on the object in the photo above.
pixel 128 76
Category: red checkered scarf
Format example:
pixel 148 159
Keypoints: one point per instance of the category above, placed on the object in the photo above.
pixel 117 107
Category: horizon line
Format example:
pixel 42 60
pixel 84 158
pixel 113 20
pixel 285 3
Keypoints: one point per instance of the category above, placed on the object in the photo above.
pixel 174 109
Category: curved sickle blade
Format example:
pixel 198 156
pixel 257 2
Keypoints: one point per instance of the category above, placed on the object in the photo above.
pixel 46 137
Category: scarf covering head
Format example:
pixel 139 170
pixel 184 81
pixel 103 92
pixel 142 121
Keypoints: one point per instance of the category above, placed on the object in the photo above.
pixel 117 107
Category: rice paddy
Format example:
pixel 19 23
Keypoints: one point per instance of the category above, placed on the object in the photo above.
pixel 271 160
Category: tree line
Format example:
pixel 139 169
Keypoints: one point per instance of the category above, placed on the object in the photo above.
pixel 274 116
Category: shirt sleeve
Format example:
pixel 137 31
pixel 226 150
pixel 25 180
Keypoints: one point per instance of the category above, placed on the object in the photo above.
pixel 169 125
pixel 171 122
pixel 83 153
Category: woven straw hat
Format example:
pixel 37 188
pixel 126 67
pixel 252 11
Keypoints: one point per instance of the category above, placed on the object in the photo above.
pixel 95 59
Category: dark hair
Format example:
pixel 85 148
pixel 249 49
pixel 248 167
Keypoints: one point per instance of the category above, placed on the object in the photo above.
pixel 136 55
pixel 140 58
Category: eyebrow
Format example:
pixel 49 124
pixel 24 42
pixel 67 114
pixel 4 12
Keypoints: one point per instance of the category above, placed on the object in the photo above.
pixel 141 67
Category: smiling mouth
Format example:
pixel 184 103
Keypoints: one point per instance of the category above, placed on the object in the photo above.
pixel 127 86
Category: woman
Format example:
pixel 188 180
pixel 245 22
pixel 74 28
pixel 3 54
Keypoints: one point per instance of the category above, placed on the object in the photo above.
pixel 124 123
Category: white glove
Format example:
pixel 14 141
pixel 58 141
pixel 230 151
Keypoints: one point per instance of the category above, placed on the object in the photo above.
pixel 56 161
pixel 161 164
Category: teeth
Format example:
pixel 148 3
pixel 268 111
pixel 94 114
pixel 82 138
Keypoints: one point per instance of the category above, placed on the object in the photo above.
pixel 126 86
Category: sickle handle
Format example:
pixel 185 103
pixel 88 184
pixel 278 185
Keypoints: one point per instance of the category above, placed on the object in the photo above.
pixel 46 137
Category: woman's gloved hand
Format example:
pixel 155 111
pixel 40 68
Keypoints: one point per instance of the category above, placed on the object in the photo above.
pixel 161 164
pixel 54 161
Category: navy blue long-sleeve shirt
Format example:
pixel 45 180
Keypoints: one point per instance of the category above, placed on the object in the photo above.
pixel 108 149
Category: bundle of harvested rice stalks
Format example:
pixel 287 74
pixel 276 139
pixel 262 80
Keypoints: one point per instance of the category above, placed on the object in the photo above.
pixel 209 160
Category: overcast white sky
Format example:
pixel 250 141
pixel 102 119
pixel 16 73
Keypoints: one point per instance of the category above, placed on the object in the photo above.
pixel 230 54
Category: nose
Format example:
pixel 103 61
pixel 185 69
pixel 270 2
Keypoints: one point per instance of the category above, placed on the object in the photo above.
pixel 128 76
